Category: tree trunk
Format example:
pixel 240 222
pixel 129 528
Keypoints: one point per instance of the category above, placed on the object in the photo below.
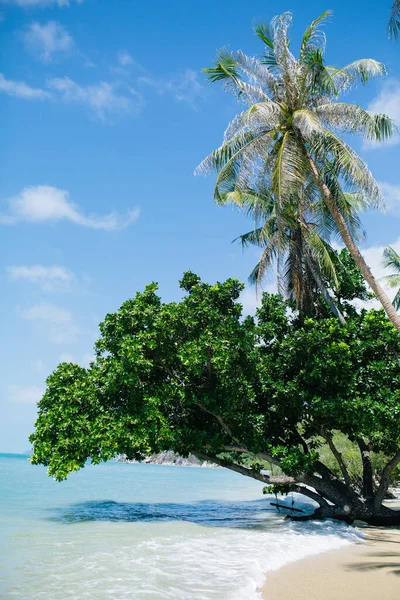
pixel 351 246
pixel 332 495
pixel 385 480
pixel 368 489
pixel 386 517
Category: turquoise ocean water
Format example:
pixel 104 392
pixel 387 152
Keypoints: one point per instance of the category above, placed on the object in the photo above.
pixel 144 532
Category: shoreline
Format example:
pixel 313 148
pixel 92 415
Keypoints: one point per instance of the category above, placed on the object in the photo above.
pixel 364 570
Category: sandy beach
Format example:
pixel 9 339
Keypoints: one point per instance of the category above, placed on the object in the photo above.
pixel 364 571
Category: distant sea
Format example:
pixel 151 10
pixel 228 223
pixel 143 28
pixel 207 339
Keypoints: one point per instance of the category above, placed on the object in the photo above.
pixel 144 532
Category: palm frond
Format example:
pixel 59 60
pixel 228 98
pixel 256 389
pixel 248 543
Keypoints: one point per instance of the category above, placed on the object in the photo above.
pixel 264 113
pixel 260 236
pixel 266 35
pixel 394 21
pixel 289 172
pixel 263 31
pixel 258 204
pixel 391 259
pixel 358 71
pixel 391 280
pixel 268 255
pixel 313 37
pixel 255 70
pixel 224 68
pixel 307 122
pixel 245 92
pixel 269 60
pixel 321 251
pixel 318 78
pixel 232 147
pixel 251 238
pixel 238 171
pixel 396 301
pixel 351 118
pixel 285 60
pixel 348 165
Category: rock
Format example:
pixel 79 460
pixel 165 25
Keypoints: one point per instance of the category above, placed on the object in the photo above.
pixel 167 457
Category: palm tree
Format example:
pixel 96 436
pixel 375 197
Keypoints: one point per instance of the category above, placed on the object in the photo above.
pixel 391 260
pixel 293 240
pixel 288 134
pixel 394 22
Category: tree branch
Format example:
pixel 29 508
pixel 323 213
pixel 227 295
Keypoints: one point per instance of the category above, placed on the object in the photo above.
pixel 338 457
pixel 365 451
pixel 302 441
pixel 234 467
pixel 385 479
pixel 261 455
pixel 220 420
pixel 332 489
pixel 238 446
pixel 300 489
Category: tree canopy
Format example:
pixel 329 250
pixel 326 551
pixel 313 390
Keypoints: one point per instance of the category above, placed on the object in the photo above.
pixel 195 376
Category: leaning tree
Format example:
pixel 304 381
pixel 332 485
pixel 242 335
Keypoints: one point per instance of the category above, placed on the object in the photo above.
pixel 194 376
pixel 290 131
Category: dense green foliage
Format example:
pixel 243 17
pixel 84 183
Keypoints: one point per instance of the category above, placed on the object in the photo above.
pixel 351 455
pixel 193 376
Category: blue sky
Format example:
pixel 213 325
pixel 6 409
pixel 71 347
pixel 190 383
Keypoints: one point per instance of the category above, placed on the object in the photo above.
pixel 105 116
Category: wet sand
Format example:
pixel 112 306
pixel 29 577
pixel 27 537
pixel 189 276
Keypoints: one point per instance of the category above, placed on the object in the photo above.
pixel 369 570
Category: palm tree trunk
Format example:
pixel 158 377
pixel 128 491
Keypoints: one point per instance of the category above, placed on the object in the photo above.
pixel 322 288
pixel 351 246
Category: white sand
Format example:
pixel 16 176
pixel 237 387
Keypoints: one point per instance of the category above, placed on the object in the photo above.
pixel 369 570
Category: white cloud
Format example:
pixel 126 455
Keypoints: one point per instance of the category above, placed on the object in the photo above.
pixel 387 102
pixel 48 41
pixel 55 322
pixel 250 301
pixel 103 99
pixel 39 3
pixel 184 87
pixel 391 193
pixel 46 203
pixel 87 359
pixel 50 279
pixel 250 298
pixel 125 59
pixel 126 64
pixel 24 394
pixel 19 89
